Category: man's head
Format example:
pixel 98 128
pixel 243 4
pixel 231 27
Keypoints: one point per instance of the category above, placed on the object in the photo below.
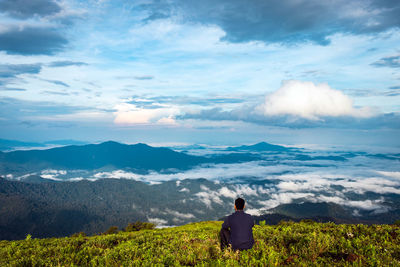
pixel 239 204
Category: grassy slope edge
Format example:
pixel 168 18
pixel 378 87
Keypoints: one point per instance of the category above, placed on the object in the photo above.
pixel 300 244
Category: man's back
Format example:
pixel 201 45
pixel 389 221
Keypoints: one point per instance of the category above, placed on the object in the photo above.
pixel 241 232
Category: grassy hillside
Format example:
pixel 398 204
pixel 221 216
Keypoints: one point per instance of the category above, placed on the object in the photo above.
pixel 304 243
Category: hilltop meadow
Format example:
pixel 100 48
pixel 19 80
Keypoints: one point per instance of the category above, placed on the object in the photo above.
pixel 305 243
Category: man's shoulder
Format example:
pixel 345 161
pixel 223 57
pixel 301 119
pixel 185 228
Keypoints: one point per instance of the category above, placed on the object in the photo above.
pixel 248 215
pixel 241 214
pixel 230 216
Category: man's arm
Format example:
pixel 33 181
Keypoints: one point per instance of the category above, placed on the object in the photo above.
pixel 225 225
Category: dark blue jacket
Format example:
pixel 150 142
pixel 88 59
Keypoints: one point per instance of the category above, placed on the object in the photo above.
pixel 241 229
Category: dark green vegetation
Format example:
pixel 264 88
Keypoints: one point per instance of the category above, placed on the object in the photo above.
pixel 299 244
pixel 61 208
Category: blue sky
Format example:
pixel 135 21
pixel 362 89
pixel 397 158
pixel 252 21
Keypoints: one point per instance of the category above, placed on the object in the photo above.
pixel 218 72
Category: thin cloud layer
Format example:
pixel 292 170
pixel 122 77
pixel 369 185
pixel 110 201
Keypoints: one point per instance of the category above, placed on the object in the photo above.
pixel 41 113
pixel 66 63
pixel 391 62
pixel 11 73
pixel 13 70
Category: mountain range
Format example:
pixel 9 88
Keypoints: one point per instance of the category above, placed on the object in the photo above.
pixel 110 155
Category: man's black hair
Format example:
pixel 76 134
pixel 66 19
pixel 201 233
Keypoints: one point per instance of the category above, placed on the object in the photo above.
pixel 239 203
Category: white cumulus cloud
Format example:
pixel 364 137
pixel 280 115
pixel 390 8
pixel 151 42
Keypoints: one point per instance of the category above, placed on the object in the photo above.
pixel 310 101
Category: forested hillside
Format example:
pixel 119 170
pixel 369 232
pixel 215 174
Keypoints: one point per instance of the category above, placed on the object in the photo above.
pixel 56 209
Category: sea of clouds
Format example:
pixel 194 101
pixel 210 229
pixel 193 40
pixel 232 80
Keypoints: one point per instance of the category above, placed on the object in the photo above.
pixel 277 179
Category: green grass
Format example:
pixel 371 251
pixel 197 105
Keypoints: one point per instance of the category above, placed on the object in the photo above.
pixel 300 244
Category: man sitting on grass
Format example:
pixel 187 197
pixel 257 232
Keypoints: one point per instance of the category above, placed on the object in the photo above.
pixel 237 229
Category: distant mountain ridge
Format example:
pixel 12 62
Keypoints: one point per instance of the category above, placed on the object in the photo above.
pixel 262 146
pixel 94 156
pixel 113 155
pixel 11 144
pixel 7 145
